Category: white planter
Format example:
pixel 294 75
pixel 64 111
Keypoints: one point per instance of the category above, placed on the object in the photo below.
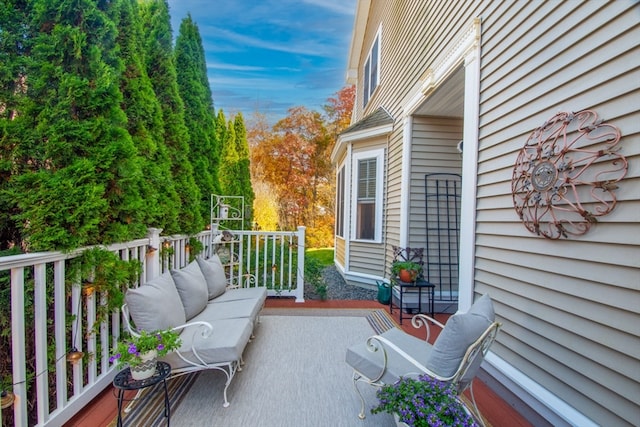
pixel 398 422
pixel 147 368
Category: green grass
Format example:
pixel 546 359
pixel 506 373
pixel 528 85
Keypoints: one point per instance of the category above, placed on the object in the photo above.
pixel 324 256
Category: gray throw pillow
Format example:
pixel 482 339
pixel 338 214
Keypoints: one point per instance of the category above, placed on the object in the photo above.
pixel 214 275
pixel 460 331
pixel 156 305
pixel 192 288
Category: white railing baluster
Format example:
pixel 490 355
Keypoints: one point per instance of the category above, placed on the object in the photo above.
pixel 91 338
pixel 104 339
pixel 76 339
pixel 300 278
pixel 18 351
pixel 40 327
pixel 59 300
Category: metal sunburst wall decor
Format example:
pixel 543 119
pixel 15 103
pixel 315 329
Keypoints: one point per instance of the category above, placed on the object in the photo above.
pixel 566 175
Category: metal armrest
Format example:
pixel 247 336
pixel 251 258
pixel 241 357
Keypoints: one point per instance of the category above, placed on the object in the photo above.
pixel 420 320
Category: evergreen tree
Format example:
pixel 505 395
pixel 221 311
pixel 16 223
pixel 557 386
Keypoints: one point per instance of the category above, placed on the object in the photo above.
pixel 243 169
pixel 15 126
pixel 159 61
pixel 194 88
pixel 229 164
pixel 145 124
pixel 81 175
pixel 220 136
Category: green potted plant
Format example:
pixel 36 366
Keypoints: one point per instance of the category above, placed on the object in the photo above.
pixel 140 352
pixel 423 402
pixel 406 271
pixel 102 271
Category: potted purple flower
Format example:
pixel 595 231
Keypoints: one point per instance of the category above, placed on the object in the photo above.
pixel 423 402
pixel 140 352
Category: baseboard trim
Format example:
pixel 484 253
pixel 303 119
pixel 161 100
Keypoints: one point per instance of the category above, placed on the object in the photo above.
pixel 518 389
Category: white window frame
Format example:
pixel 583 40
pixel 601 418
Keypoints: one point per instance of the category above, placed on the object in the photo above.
pixel 370 81
pixel 378 154
pixel 341 202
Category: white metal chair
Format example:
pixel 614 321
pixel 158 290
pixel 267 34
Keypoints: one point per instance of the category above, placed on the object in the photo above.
pixel 455 356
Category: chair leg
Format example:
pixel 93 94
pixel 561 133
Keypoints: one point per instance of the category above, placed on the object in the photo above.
pixel 356 378
pixel 476 412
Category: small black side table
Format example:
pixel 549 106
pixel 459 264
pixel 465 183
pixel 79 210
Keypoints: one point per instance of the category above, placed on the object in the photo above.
pixel 123 382
pixel 420 284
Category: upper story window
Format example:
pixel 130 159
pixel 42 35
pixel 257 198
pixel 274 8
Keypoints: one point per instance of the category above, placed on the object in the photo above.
pixel 371 70
pixel 368 201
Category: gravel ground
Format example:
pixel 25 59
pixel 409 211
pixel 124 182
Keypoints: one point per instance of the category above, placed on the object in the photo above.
pixel 338 289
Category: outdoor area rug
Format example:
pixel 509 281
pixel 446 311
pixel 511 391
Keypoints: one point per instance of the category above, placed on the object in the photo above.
pixel 148 409
pixel 294 375
pixel 381 321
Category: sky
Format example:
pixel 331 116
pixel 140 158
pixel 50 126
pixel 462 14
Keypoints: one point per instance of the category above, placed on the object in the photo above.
pixel 271 55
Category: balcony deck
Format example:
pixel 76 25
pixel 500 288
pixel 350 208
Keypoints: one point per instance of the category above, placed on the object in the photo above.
pixel 102 411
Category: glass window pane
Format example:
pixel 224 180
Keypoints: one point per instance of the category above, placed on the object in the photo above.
pixel 366 221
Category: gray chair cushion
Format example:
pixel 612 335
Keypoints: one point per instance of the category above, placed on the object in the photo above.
pixel 370 364
pixel 460 331
pixel 156 305
pixel 214 275
pixel 192 288
pixel 225 344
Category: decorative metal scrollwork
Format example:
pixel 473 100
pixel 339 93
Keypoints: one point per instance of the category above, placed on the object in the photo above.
pixel 566 174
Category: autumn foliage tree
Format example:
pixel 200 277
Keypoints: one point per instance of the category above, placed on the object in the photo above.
pixel 292 163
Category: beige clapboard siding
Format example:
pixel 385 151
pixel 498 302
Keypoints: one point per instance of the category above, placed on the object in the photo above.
pixel 433 151
pixel 366 258
pixel 547 369
pixel 413 34
pixel 340 251
pixel 570 307
pixel 624 281
pixel 605 264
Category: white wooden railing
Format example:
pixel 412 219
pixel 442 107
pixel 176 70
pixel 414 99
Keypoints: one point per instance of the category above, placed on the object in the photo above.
pixel 271 259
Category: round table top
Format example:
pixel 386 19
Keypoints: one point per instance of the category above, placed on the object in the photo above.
pixel 124 381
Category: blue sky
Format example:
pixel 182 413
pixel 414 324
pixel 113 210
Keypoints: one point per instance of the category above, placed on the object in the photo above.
pixel 270 55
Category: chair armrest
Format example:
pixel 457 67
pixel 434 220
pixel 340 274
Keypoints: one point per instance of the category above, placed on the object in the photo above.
pixel 420 320
pixel 379 343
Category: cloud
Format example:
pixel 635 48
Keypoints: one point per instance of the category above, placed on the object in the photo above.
pixel 338 6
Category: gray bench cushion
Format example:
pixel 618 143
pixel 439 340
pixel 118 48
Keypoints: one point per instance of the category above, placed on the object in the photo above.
pixel 192 288
pixel 226 343
pixel 370 364
pixel 229 310
pixel 156 305
pixel 258 294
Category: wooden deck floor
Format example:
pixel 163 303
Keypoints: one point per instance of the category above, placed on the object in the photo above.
pixel 497 412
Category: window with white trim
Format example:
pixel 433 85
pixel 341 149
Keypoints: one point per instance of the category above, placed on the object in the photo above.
pixel 370 72
pixel 340 187
pixel 368 198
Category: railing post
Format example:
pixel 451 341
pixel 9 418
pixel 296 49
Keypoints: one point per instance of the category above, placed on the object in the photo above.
pixel 301 250
pixel 152 261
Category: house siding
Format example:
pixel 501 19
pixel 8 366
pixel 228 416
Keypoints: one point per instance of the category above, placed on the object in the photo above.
pixel 570 308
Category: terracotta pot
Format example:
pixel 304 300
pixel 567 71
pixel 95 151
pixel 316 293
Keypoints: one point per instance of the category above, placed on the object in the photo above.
pixel 407 275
